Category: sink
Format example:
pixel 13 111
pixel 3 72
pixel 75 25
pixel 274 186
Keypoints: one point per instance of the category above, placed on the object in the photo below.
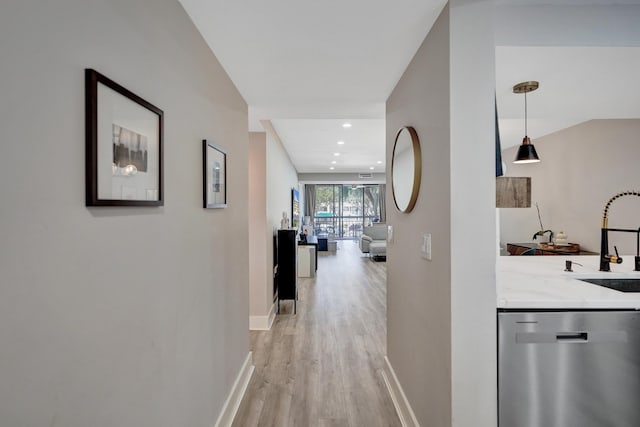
pixel 617 284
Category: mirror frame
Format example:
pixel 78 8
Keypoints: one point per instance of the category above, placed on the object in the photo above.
pixel 417 168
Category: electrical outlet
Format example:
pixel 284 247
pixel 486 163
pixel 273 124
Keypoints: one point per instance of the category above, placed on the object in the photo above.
pixel 425 249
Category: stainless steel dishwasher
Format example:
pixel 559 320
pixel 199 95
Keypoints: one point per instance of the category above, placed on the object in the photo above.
pixel 569 368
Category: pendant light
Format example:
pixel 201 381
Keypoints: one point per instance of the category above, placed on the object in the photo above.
pixel 526 151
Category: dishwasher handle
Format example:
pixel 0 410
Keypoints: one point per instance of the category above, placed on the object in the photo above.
pixel 571 336
pixel 580 337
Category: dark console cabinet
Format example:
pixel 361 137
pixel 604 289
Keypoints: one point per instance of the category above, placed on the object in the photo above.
pixel 286 274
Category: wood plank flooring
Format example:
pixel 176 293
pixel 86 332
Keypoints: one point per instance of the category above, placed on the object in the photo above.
pixel 322 367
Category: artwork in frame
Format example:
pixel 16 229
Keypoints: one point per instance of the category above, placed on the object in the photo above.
pixel 214 173
pixel 295 209
pixel 124 135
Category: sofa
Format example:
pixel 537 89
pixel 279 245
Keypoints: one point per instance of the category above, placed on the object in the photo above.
pixel 373 240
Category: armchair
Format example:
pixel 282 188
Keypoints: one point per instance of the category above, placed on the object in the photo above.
pixel 373 234
pixel 364 243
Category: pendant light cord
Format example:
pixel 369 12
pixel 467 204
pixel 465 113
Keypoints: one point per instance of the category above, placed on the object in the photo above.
pixel 525 114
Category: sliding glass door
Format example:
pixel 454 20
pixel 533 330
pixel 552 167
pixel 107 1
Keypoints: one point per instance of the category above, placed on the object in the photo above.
pixel 342 210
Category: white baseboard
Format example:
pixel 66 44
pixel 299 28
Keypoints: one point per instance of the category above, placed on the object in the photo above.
pixel 262 323
pixel 405 413
pixel 228 412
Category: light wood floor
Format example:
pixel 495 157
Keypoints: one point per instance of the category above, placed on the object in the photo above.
pixel 322 366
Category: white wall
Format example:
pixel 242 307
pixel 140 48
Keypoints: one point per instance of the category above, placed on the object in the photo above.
pixel 473 215
pixel 582 167
pixel 116 316
pixel 419 291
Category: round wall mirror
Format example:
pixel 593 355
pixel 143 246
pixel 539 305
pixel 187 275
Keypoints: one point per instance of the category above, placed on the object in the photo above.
pixel 406 169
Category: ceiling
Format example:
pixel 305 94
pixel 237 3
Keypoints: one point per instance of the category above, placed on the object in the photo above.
pixel 362 148
pixel 576 84
pixel 310 66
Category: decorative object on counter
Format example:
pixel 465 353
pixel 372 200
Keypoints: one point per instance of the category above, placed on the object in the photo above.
pixel 214 175
pixel 542 231
pixel 513 192
pixel 284 222
pixel 123 143
pixel 406 169
pixel 605 258
pixel 526 152
pixel 569 247
pixel 561 239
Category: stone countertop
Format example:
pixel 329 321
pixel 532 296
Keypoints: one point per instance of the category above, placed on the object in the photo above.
pixel 540 282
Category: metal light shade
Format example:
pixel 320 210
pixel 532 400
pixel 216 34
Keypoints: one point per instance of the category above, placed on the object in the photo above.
pixel 526 152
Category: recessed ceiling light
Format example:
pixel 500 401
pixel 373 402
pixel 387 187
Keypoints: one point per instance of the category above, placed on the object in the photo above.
pixel 346 125
pixel 332 168
pixel 371 168
pixel 340 142
pixel 379 162
pixel 336 154
pixel 333 162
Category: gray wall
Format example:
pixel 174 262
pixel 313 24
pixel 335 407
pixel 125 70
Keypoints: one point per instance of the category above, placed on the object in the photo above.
pixel 441 314
pixel 260 278
pixel 582 167
pixel 419 291
pixel 281 178
pixel 271 178
pixel 116 316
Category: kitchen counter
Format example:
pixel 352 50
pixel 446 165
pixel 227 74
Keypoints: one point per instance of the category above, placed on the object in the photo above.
pixel 528 282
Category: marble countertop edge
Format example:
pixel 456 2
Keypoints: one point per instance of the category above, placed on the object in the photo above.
pixel 540 282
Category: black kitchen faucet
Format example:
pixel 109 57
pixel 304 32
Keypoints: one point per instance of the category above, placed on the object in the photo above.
pixel 605 258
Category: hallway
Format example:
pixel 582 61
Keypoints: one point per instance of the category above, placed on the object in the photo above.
pixel 322 366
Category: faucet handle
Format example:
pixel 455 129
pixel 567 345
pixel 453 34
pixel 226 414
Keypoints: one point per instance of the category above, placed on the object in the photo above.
pixel 615 259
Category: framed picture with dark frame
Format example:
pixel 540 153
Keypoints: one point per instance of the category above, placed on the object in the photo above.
pixel 124 135
pixel 214 174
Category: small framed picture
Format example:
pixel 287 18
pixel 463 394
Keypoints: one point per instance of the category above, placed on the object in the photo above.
pixel 124 136
pixel 214 175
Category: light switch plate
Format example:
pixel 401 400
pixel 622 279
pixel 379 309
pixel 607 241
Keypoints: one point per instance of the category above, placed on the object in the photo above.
pixel 425 249
pixel 390 233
